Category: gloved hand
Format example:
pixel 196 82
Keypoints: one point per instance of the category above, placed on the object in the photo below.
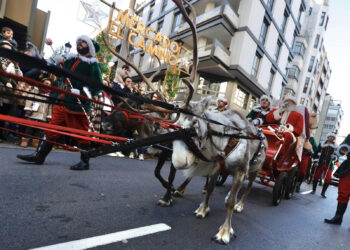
pixel 256 122
pixel 9 85
pixel 75 91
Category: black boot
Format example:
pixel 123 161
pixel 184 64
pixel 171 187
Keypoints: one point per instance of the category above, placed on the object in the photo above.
pixel 324 189
pixel 298 184
pixel 338 217
pixel 314 186
pixel 38 157
pixel 84 158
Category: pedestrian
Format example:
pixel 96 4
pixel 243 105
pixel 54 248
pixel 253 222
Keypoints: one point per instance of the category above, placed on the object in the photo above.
pixel 122 73
pixel 7 34
pixel 259 112
pixel 71 113
pixel 343 173
pixel 324 166
pixel 38 111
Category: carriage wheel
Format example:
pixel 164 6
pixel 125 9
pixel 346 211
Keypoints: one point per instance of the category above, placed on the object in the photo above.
pixel 291 182
pixel 279 188
pixel 221 179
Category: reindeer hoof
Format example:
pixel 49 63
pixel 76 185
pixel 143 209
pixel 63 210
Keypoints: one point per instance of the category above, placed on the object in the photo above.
pixel 238 208
pixel 164 203
pixel 178 193
pixel 224 236
pixel 202 211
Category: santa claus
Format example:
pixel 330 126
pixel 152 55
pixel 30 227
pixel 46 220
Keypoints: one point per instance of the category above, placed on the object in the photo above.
pixel 291 122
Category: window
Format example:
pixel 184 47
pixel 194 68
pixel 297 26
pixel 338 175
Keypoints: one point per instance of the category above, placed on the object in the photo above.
pixel 316 67
pixel 310 11
pixel 317 40
pixel 270 4
pixel 177 22
pixel 306 85
pixel 299 14
pixel 284 21
pixel 256 64
pixel 299 49
pixel 160 25
pixel 311 89
pixel 165 4
pixel 311 64
pixel 294 72
pixel 293 40
pixel 321 44
pixel 263 31
pixel 241 98
pixel 271 78
pixel 151 12
pixel 323 16
pixel 277 50
pixel 325 27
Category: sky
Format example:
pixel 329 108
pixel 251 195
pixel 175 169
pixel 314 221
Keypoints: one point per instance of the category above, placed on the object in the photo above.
pixel 65 25
pixel 337 43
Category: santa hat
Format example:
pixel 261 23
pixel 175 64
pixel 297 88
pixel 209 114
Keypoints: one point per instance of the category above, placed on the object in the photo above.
pixel 331 134
pixel 223 99
pixel 93 45
pixel 266 97
pixel 290 98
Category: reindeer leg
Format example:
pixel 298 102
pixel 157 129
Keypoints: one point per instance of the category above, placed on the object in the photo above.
pixel 205 188
pixel 226 230
pixel 203 208
pixel 239 206
pixel 168 186
pixel 167 200
pixel 181 189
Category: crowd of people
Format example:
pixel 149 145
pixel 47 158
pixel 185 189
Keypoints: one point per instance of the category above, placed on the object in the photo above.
pixel 74 113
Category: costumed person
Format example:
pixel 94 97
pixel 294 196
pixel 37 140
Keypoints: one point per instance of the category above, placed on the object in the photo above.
pixel 221 103
pixel 71 113
pixel 38 111
pixel 343 173
pixel 324 166
pixel 310 168
pixel 291 124
pixel 259 112
pixel 310 123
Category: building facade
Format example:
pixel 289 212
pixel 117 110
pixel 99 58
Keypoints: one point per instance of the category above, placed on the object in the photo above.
pixel 309 72
pixel 244 46
pixel 330 118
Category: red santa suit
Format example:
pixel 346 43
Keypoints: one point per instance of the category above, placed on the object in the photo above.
pixel 290 118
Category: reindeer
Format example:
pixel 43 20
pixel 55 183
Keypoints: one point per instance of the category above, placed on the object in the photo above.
pixel 246 159
pixel 146 127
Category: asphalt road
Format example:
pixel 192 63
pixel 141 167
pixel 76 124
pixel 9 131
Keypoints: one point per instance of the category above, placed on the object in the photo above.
pixel 50 204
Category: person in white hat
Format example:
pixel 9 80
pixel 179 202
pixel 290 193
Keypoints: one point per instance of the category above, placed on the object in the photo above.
pixel 290 122
pixel 259 112
pixel 221 104
pixel 326 152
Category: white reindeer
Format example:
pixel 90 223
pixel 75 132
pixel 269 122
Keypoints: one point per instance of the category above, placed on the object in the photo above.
pixel 245 159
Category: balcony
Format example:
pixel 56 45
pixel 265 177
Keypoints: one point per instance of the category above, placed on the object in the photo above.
pixel 214 59
pixel 219 22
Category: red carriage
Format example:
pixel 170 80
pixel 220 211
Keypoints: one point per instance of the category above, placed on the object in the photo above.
pixel 279 171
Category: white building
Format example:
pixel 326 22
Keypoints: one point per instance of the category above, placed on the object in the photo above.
pixel 309 72
pixel 330 118
pixel 244 45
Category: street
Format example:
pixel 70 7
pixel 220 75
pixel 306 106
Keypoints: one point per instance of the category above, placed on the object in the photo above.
pixel 50 204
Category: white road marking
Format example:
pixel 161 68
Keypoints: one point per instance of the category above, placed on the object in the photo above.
pixel 306 192
pixel 108 238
